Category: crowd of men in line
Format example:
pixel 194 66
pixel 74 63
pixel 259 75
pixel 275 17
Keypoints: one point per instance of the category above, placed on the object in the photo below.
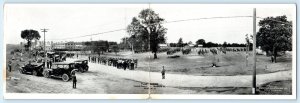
pixel 120 63
pixel 221 50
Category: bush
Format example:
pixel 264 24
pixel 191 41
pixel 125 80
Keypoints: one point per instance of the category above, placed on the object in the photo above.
pixel 172 51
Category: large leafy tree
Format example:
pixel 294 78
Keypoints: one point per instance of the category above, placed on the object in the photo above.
pixel 29 35
pixel 180 42
pixel 275 35
pixel 147 28
pixel 200 41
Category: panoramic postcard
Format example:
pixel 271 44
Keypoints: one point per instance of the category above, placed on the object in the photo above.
pixel 149 51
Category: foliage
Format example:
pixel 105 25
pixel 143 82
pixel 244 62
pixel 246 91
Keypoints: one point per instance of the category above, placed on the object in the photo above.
pixel 180 42
pixel 29 35
pixel 200 42
pixel 275 35
pixel 115 49
pixel 145 28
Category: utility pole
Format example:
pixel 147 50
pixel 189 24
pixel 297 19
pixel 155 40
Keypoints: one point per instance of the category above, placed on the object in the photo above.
pixel 45 54
pixel 254 53
pixel 149 86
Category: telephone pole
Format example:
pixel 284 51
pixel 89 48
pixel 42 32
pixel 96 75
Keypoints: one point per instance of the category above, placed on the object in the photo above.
pixel 45 54
pixel 254 53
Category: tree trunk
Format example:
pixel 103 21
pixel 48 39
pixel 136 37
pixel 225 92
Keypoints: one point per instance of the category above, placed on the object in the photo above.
pixel 274 54
pixel 155 55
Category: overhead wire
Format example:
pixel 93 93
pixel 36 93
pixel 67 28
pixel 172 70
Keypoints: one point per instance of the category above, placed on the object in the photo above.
pixel 182 20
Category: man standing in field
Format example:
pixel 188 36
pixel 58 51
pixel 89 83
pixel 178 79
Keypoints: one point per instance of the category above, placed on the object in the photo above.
pixel 9 66
pixel 163 72
pixel 74 80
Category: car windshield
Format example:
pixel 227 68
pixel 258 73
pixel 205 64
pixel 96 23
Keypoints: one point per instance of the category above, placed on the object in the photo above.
pixel 65 66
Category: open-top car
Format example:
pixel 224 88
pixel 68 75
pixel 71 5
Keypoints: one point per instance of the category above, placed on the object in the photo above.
pixel 32 68
pixel 81 65
pixel 62 70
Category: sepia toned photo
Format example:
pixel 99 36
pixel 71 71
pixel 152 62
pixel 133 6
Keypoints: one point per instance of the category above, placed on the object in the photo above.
pixel 150 51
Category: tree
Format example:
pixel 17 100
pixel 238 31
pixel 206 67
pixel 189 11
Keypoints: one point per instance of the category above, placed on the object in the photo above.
pixel 29 35
pixel 115 49
pixel 147 28
pixel 211 44
pixel 200 42
pixel 275 35
pixel 138 35
pixel 180 42
pixel 225 44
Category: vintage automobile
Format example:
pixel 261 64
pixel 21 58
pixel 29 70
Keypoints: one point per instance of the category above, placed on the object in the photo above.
pixel 57 56
pixel 32 68
pixel 62 70
pixel 81 65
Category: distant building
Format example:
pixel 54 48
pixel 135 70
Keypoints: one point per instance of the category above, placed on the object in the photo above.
pixel 199 45
pixel 163 45
pixel 59 45
pixel 191 45
pixel 74 46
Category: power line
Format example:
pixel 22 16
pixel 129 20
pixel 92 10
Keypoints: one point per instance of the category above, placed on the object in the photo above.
pixel 91 34
pixel 208 18
pixel 183 20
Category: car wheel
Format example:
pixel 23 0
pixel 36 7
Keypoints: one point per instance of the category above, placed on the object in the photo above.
pixel 46 74
pixel 81 70
pixel 65 77
pixel 34 72
pixel 87 68
pixel 21 71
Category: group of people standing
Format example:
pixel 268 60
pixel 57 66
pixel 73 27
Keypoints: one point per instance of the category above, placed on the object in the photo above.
pixel 120 63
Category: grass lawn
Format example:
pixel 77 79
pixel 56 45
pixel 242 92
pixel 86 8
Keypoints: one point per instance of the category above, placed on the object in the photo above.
pixel 231 63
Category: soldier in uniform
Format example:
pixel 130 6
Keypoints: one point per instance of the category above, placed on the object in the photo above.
pixel 50 64
pixel 9 66
pixel 74 81
pixel 272 58
pixel 163 71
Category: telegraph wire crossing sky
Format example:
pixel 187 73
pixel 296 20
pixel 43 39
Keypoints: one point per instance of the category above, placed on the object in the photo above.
pixel 75 22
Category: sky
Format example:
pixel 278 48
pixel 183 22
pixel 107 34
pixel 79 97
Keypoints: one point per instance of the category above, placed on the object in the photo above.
pixel 66 21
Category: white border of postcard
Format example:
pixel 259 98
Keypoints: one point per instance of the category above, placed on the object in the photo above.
pixel 161 96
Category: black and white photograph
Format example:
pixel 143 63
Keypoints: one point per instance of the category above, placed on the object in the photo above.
pixel 149 51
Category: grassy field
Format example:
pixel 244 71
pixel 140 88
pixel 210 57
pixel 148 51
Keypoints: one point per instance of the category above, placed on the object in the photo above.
pixel 274 88
pixel 231 63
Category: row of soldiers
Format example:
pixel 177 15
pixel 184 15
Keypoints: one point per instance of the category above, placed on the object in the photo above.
pixel 120 63
pixel 221 50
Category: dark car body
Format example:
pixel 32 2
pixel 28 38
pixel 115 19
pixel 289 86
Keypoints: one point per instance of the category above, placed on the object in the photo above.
pixel 81 65
pixel 62 70
pixel 32 68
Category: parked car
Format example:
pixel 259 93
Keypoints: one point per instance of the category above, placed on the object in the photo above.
pixel 32 68
pixel 81 65
pixel 62 70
